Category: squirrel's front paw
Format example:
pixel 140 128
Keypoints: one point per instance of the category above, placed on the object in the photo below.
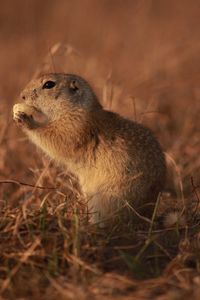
pixel 23 115
pixel 23 120
pixel 29 117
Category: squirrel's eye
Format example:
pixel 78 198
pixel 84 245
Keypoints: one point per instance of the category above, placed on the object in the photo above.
pixel 49 84
pixel 73 86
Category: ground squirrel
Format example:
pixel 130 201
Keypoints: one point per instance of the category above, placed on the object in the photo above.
pixel 117 161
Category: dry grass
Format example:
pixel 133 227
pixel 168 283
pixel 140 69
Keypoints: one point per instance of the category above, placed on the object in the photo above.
pixel 47 247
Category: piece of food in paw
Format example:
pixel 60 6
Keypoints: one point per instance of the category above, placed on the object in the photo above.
pixel 23 108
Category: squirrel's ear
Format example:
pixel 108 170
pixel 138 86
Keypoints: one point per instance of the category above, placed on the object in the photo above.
pixel 73 85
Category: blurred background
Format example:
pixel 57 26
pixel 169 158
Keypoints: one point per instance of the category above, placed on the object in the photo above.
pixel 141 57
pixel 141 43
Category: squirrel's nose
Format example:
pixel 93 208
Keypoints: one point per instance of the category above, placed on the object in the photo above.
pixel 22 95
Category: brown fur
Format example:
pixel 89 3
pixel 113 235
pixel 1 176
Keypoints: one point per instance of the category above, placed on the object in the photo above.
pixel 115 160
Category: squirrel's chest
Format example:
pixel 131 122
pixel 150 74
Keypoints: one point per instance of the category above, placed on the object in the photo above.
pixel 90 177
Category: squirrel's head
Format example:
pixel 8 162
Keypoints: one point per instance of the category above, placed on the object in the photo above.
pixel 58 94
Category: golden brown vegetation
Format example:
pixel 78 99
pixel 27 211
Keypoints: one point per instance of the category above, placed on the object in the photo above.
pixel 142 57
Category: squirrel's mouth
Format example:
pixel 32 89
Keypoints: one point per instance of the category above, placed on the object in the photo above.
pixel 39 116
pixel 37 109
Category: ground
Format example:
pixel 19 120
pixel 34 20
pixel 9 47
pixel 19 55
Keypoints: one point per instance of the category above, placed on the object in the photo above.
pixel 142 59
